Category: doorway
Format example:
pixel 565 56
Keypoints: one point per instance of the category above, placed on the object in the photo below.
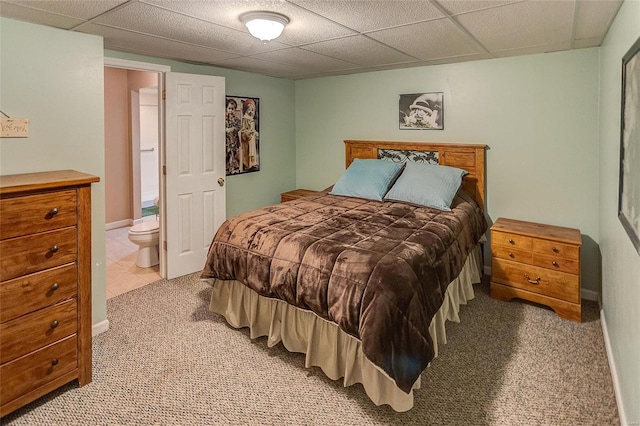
pixel 130 111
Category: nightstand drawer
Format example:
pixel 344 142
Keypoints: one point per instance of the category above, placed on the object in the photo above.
pixel 511 240
pixel 37 213
pixel 35 330
pixel 535 279
pixel 509 253
pixel 554 248
pixel 38 368
pixel 556 263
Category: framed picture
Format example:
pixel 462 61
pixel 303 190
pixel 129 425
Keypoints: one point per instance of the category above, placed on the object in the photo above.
pixel 629 190
pixel 422 111
pixel 242 129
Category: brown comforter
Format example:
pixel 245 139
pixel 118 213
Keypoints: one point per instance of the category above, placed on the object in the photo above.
pixel 378 270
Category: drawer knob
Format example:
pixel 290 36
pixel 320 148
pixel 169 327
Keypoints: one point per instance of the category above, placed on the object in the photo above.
pixel 554 263
pixel 530 281
pixel 511 241
pixel 512 255
pixel 54 361
pixel 555 250
pixel 54 324
pixel 54 286
pixel 53 212
pixel 54 249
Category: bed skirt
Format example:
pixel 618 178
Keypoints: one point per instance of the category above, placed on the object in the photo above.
pixel 338 354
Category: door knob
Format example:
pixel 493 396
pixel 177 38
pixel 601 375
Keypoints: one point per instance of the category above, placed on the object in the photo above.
pixel 221 181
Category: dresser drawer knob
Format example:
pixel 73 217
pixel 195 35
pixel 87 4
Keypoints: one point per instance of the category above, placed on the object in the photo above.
pixel 55 323
pixel 555 250
pixel 512 255
pixel 530 281
pixel 54 286
pixel 511 241
pixel 54 211
pixel 554 263
pixel 54 362
pixel 54 249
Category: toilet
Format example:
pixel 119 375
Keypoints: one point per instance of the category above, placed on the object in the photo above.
pixel 146 235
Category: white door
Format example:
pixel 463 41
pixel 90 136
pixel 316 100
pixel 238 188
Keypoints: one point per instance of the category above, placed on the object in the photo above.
pixel 195 168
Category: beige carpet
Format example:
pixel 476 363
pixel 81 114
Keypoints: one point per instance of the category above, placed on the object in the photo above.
pixel 167 360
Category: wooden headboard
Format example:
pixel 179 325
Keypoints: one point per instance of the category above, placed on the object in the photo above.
pixel 470 157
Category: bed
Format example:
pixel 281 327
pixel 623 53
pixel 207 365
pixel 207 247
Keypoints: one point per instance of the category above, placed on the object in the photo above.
pixel 362 286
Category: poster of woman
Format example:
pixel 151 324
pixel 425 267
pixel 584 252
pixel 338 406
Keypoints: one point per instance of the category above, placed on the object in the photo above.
pixel 242 129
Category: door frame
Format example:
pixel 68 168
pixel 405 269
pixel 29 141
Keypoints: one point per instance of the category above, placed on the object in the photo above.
pixel 161 70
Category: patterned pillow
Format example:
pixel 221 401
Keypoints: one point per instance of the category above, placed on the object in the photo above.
pixel 368 179
pixel 427 185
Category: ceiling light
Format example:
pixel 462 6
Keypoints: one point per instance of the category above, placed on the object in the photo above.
pixel 265 26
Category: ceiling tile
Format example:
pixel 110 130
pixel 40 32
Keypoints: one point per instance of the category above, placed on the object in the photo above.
pixel 262 67
pixel 305 59
pixel 532 50
pixel 594 17
pixel 520 24
pixel 428 40
pixel 368 15
pixel 359 50
pixel 462 6
pixel 84 10
pixel 35 16
pixel 303 27
pixel 127 41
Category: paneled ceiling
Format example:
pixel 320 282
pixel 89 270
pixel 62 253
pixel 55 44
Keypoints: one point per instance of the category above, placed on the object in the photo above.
pixel 329 37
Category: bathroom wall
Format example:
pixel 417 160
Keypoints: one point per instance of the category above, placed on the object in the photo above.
pixel 119 180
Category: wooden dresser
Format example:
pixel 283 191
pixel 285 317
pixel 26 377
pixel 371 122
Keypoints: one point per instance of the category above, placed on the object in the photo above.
pixel 539 263
pixel 295 194
pixel 45 284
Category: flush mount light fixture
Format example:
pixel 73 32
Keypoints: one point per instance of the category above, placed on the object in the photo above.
pixel 265 26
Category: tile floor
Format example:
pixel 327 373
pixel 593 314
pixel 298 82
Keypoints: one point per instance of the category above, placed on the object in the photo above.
pixel 122 273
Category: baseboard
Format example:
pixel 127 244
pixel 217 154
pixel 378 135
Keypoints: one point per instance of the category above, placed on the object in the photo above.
pixel 118 224
pixel 487 270
pixel 100 327
pixel 589 294
pixel 614 371
pixel 584 293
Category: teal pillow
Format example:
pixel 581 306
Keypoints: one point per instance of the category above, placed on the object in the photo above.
pixel 368 179
pixel 427 185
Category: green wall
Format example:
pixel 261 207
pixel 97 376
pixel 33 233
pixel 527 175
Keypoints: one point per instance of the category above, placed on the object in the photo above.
pixel 620 261
pixel 538 114
pixel 55 79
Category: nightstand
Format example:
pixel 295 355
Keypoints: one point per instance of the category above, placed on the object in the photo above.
pixel 536 262
pixel 295 194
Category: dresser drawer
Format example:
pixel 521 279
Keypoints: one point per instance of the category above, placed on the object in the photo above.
pixel 550 283
pixel 32 331
pixel 29 372
pixel 511 240
pixel 25 255
pixel 37 213
pixel 554 248
pixel 36 291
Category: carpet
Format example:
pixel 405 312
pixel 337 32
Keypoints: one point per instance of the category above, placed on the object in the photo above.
pixel 167 360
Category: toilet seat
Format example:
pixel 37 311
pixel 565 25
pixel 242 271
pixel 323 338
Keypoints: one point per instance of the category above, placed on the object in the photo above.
pixel 145 227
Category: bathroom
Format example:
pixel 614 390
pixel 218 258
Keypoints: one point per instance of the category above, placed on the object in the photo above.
pixel 132 179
